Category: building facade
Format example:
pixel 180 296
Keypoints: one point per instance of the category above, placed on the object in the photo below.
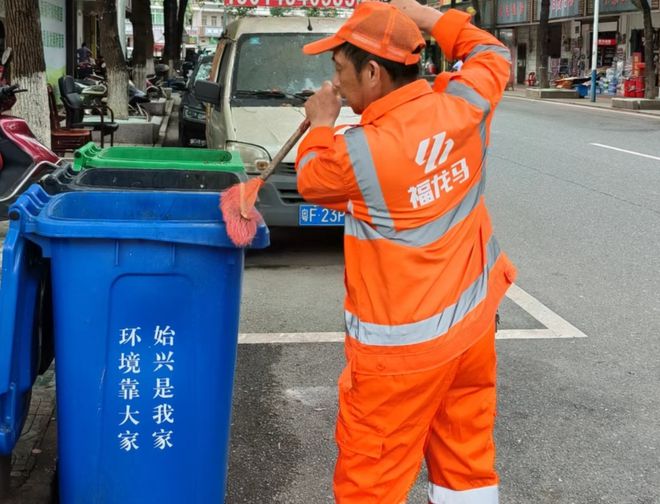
pixel 57 24
pixel 515 23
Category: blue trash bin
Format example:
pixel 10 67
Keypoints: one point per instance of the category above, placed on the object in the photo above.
pixel 583 90
pixel 25 277
pixel 146 293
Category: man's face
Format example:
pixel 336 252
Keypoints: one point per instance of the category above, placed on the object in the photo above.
pixel 349 83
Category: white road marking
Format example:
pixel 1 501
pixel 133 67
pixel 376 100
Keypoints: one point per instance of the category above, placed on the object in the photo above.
pixel 307 337
pixel 555 326
pixel 553 322
pixel 626 151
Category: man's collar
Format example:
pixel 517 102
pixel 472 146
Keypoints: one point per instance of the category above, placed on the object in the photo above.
pixel 395 98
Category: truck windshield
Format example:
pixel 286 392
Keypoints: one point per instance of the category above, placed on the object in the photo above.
pixel 272 67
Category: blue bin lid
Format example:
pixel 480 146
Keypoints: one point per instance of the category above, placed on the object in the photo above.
pixel 22 272
pixel 179 217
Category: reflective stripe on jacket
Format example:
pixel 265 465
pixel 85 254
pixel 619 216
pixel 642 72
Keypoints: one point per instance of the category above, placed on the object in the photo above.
pixel 424 273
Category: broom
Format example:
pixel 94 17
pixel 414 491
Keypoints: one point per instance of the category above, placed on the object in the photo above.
pixel 237 202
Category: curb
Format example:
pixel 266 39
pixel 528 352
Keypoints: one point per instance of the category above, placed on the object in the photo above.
pixel 557 101
pixel 162 132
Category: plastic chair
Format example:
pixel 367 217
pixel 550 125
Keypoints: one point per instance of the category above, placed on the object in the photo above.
pixel 64 139
pixel 75 111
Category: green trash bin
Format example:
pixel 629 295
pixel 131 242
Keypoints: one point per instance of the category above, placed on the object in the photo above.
pixel 171 158
pixel 147 168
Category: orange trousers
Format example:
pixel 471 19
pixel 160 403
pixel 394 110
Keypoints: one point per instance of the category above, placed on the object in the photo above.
pixel 388 423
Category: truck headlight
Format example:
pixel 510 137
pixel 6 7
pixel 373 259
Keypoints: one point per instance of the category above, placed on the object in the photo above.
pixel 255 158
pixel 194 114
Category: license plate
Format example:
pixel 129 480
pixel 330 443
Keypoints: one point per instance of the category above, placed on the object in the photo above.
pixel 313 215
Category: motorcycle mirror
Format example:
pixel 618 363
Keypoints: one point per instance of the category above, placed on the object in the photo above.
pixel 6 55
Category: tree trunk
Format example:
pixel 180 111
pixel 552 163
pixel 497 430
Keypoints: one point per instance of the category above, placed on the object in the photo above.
pixel 649 69
pixel 542 46
pixel 175 16
pixel 143 49
pixel 170 50
pixel 115 61
pixel 493 18
pixel 181 19
pixel 28 68
pixel 476 17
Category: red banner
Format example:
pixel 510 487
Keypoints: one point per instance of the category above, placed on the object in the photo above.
pixel 319 4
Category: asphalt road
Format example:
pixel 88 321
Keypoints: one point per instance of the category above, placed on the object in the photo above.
pixel 579 419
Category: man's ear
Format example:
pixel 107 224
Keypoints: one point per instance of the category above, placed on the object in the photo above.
pixel 373 71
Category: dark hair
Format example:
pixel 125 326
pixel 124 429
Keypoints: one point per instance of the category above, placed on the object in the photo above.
pixel 398 72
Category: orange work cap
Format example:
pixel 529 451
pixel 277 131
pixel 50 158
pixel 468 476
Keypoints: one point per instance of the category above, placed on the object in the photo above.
pixel 379 29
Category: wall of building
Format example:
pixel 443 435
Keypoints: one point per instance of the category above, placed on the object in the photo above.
pixel 53 33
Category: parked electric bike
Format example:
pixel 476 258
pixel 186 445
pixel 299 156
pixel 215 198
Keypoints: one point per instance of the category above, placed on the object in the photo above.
pixel 23 159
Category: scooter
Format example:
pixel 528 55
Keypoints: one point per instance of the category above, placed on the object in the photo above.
pixel 23 159
pixel 136 99
pixel 155 81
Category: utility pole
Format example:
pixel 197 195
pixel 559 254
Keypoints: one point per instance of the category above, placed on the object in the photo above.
pixel 594 50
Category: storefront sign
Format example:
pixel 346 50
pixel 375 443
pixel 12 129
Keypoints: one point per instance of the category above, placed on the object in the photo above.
pixel 511 11
pixel 616 5
pixel 321 4
pixel 560 9
pixel 606 42
pixel 613 6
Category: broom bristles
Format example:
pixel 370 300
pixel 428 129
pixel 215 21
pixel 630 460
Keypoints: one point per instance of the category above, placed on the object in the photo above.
pixel 240 215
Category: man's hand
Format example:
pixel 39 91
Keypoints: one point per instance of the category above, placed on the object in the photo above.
pixel 423 16
pixel 322 108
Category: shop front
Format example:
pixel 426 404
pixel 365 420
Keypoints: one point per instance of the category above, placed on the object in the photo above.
pixel 565 56
pixel 513 17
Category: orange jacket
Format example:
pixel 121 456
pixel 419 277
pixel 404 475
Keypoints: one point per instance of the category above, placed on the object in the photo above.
pixel 424 274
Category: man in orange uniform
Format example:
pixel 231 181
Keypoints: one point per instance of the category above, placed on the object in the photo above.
pixel 424 273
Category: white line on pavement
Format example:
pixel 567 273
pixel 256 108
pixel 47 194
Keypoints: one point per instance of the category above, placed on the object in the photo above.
pixel 556 327
pixel 308 337
pixel 338 337
pixel 626 151
pixel 553 322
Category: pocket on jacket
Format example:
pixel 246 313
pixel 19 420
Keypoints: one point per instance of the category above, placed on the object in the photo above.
pixel 359 439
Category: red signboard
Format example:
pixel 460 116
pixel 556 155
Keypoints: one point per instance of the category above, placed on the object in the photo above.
pixel 320 4
pixel 606 42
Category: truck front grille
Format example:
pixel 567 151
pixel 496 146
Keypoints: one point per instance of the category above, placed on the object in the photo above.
pixel 284 181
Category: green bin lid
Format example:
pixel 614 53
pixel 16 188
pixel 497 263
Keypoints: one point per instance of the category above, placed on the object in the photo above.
pixel 171 158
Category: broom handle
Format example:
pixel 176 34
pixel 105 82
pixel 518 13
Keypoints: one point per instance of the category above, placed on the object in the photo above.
pixel 284 150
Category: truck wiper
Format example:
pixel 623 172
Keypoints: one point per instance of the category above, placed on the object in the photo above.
pixel 265 93
pixel 304 94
